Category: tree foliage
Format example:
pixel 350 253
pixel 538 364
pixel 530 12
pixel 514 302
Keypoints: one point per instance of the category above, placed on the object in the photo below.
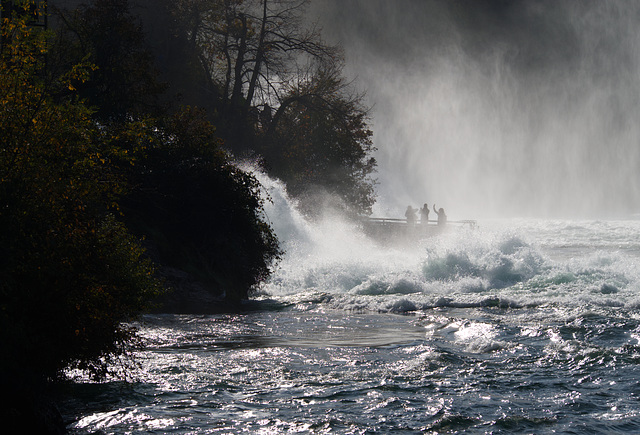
pixel 275 76
pixel 319 142
pixel 249 49
pixel 197 210
pixel 70 273
pixel 206 210
pixel 123 81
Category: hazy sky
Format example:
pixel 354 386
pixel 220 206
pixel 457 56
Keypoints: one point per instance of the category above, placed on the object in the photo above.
pixel 498 108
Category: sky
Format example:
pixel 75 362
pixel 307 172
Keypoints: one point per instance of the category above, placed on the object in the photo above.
pixel 503 108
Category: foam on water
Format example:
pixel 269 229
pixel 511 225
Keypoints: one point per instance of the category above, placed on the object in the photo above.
pixel 501 263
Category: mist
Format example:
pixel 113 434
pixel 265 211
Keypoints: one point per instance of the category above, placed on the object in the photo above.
pixel 498 108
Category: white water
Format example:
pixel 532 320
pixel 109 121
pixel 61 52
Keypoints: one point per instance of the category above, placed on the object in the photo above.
pixel 517 262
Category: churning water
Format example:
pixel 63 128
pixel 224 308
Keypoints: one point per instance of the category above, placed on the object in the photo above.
pixel 518 326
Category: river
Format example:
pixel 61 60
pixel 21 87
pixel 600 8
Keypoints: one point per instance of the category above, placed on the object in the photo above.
pixel 515 326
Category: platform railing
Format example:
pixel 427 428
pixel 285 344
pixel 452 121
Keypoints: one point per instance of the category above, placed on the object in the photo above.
pixel 382 221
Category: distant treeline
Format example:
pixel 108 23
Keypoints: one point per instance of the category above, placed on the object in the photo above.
pixel 119 127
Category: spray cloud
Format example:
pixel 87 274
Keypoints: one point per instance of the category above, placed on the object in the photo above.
pixel 499 108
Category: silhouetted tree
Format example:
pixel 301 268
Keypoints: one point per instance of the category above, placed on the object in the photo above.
pixel 202 213
pixel 271 69
pixel 319 142
pixel 123 81
pixel 250 49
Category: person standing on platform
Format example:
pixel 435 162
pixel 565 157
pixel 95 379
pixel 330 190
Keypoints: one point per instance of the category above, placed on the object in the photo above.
pixel 424 214
pixel 410 214
pixel 442 217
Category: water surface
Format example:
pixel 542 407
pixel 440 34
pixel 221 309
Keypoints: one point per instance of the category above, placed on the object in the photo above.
pixel 518 327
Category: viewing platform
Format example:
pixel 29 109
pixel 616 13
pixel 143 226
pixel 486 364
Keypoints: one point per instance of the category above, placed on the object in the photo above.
pixel 398 231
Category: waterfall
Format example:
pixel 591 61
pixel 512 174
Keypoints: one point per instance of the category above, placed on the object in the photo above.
pixel 500 109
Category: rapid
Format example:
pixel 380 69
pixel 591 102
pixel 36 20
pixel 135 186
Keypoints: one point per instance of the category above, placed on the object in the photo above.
pixel 516 326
